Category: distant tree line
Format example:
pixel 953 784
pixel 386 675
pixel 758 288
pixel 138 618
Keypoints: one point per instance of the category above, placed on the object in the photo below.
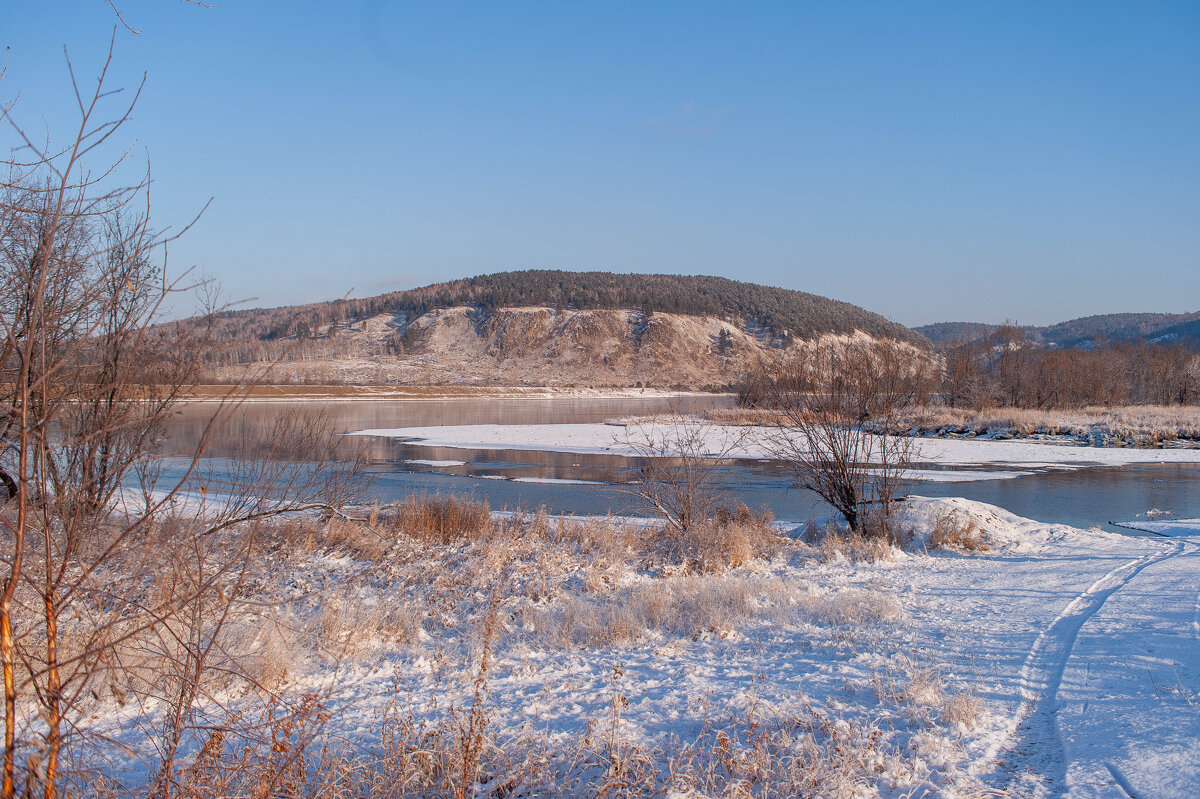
pixel 1006 369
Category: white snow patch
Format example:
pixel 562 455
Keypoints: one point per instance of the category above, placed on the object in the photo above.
pixel 558 480
pixel 1172 529
pixel 601 438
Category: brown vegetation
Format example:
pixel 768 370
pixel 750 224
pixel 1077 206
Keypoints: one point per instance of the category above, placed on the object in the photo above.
pixel 442 519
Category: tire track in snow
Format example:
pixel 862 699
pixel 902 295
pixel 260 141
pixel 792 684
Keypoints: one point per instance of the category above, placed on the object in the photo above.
pixel 1196 608
pixel 1035 730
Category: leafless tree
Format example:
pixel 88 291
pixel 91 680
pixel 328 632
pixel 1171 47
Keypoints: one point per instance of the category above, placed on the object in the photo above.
pixel 681 457
pixel 839 399
pixel 89 375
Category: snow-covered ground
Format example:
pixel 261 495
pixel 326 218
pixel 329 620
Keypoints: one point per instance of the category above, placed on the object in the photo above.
pixel 1058 662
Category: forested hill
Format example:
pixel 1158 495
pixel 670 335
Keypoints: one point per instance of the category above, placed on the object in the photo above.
pixel 1083 331
pixel 778 310
pixel 1117 327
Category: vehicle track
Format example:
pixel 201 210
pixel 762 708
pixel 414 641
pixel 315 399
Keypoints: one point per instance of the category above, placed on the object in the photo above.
pixel 1196 607
pixel 1038 740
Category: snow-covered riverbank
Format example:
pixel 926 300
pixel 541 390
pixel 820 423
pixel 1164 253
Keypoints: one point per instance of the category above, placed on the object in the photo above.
pixel 1058 662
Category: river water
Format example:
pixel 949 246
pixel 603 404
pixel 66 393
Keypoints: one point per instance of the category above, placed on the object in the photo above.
pixel 593 484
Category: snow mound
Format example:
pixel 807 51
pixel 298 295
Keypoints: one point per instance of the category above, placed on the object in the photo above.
pixel 998 528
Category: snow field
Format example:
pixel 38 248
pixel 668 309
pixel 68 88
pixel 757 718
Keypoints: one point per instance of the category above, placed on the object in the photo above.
pixel 822 669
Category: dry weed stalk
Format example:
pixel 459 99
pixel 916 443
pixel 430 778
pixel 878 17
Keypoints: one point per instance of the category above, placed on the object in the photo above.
pixel 471 732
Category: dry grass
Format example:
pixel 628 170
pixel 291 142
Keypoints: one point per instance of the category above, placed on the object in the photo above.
pixel 363 541
pixel 962 710
pixel 956 531
pixel 440 520
pixel 836 544
pixel 760 417
pixel 733 537
pixel 847 607
pixel 566 583
pixel 805 752
pixel 691 606
pixel 1132 425
pixel 918 683
pixel 1135 425
pixel 881 538
pixel 685 606
pixel 344 621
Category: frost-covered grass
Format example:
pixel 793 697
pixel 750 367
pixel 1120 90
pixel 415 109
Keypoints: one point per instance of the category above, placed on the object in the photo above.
pixel 528 655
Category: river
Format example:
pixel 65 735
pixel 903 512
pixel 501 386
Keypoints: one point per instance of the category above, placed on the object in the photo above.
pixel 593 484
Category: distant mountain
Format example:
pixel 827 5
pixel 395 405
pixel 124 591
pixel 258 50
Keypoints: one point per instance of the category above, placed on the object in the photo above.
pixel 1080 332
pixel 1188 331
pixel 1113 327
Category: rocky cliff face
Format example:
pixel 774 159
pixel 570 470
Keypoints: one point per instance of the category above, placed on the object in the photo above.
pixel 532 346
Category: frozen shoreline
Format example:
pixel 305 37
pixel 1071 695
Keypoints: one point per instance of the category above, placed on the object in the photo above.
pixel 389 393
pixel 609 439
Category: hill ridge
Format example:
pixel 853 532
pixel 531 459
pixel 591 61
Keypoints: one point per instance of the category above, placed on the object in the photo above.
pixel 779 311
pixel 1121 326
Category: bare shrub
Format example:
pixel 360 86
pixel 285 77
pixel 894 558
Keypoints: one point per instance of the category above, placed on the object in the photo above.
pixel 956 531
pixel 116 570
pixel 681 456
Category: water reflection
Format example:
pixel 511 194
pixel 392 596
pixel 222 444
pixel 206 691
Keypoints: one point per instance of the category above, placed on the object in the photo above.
pixel 347 415
pixel 1080 498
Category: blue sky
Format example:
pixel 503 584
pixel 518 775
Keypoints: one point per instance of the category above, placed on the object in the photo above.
pixel 928 161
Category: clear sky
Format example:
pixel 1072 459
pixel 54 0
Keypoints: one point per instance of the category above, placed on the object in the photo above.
pixel 929 161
